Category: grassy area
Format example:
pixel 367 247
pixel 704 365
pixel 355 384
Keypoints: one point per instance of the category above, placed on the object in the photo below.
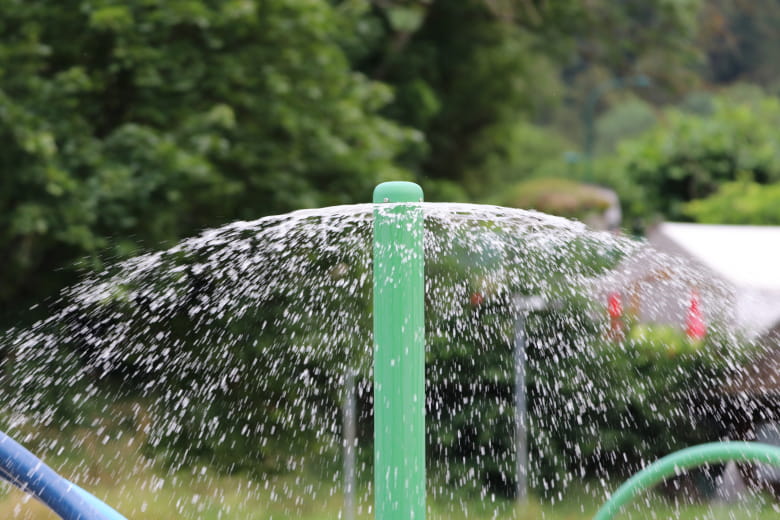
pixel 115 470
pixel 229 498
pixel 148 496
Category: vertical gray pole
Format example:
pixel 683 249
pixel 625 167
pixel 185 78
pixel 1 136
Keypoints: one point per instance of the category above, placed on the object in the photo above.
pixel 524 306
pixel 521 435
pixel 350 444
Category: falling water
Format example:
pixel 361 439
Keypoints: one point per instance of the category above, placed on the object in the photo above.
pixel 228 354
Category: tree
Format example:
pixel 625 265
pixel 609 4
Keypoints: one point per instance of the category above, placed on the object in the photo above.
pixel 470 74
pixel 129 126
pixel 740 39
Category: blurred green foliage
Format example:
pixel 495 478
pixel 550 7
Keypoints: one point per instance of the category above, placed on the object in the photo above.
pixel 623 121
pixel 740 41
pixel 562 197
pixel 513 153
pixel 739 202
pixel 477 76
pixel 664 394
pixel 129 126
pixel 689 156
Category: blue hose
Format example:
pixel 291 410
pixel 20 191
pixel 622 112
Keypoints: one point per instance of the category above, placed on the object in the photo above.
pixel 27 472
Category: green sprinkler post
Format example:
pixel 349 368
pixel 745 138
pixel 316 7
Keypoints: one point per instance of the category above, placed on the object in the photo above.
pixel 399 353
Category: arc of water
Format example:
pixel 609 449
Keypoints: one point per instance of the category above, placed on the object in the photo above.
pixel 29 473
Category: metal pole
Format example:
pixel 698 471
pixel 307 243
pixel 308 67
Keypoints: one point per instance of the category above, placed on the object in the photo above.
pixel 521 435
pixel 350 444
pixel 399 353
pixel 525 305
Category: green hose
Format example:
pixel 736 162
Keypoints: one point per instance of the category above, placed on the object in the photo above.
pixel 674 464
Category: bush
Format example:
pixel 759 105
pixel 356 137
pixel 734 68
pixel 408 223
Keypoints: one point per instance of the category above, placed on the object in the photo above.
pixel 741 203
pixel 689 156
pixel 561 197
pixel 661 392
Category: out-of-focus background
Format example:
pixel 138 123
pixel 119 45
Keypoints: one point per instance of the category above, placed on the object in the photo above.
pixel 129 125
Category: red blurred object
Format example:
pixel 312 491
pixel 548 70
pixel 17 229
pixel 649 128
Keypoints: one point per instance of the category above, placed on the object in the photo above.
pixel 614 305
pixel 477 299
pixel 694 322
pixel 615 310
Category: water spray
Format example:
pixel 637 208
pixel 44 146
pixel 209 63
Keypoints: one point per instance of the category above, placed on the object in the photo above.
pixel 399 371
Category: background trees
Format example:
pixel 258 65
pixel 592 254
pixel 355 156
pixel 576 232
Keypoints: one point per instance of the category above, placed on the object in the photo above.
pixel 126 127
pixel 129 126
pixel 698 157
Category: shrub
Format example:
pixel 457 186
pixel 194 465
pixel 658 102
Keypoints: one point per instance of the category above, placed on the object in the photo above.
pixel 689 156
pixel 555 196
pixel 740 202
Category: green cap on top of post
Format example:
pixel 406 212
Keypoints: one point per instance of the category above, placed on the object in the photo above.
pixel 399 353
pixel 398 191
